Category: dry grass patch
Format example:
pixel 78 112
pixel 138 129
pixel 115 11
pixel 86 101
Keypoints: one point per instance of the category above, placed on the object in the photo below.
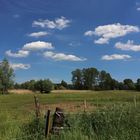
pixel 20 91
pixel 70 107
pixel 70 91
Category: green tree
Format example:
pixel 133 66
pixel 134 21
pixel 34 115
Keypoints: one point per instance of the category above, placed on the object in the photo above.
pixel 6 76
pixel 138 85
pixel 77 79
pixel 90 78
pixel 17 86
pixel 129 84
pixel 114 85
pixel 44 86
pixel 31 85
pixel 121 86
pixel 64 84
pixel 105 81
pixel 102 79
pixel 25 85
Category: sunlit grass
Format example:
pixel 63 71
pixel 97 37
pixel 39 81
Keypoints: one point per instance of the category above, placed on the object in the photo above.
pixel 116 116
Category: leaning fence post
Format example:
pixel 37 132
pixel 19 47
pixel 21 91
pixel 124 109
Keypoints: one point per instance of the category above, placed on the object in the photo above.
pixel 37 107
pixel 47 125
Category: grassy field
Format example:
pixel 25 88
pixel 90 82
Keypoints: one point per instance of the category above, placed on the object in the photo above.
pixel 114 115
pixel 70 101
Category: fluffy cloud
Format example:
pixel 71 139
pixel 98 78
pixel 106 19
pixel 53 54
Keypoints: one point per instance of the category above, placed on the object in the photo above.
pixel 138 9
pixel 101 41
pixel 58 23
pixel 116 57
pixel 129 46
pixel 17 66
pixel 107 32
pixel 62 57
pixel 38 45
pixel 89 33
pixel 38 34
pixel 19 54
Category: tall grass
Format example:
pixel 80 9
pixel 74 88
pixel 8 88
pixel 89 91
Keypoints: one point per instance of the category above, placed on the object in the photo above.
pixel 114 123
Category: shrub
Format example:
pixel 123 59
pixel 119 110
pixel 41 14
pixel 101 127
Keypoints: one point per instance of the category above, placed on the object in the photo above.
pixel 44 86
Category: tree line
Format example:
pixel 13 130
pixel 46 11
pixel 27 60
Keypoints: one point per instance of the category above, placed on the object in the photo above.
pixel 82 79
pixel 42 85
pixel 93 79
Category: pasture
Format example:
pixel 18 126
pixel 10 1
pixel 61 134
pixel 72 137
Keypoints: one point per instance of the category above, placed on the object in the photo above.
pixel 115 114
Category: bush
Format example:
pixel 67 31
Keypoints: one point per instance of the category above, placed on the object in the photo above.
pixel 44 86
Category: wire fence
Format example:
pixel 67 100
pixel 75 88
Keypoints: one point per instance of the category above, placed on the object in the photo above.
pixel 38 112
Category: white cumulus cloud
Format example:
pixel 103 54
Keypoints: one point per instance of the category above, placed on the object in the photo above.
pixel 17 66
pixel 38 34
pixel 101 41
pixel 107 32
pixel 38 45
pixel 58 23
pixel 129 46
pixel 89 33
pixel 116 57
pixel 62 56
pixel 19 54
pixel 138 9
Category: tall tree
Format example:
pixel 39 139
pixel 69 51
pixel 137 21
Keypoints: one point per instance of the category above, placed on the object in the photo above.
pixel 64 84
pixel 6 76
pixel 129 84
pixel 105 81
pixel 90 78
pixel 138 85
pixel 30 85
pixel 102 79
pixel 114 84
pixel 121 86
pixel 77 79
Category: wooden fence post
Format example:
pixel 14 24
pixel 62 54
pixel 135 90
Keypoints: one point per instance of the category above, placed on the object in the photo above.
pixel 47 125
pixel 85 105
pixel 37 107
pixel 135 101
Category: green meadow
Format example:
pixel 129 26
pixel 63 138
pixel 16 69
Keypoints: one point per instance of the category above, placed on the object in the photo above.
pixel 108 115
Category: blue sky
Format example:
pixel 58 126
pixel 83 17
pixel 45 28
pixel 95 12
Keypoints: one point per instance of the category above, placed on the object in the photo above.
pixel 51 38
